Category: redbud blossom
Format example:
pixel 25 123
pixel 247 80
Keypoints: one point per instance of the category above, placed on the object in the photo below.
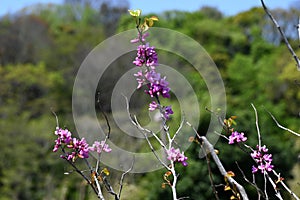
pixel 176 156
pixel 152 106
pixel 236 137
pixel 99 147
pixel 143 38
pixel 64 136
pixel 146 55
pixel 262 159
pixel 167 112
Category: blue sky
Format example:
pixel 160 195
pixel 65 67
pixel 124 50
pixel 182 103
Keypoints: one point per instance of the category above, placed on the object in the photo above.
pixel 228 7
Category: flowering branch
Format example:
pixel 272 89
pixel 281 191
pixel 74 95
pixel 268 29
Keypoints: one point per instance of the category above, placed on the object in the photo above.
pixel 206 144
pixel 209 148
pixel 259 191
pixel 157 86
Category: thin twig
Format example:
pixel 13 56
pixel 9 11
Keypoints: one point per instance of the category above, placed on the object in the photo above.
pixel 178 130
pixel 259 191
pixel 109 188
pixel 210 175
pixel 106 136
pixel 135 122
pixel 285 186
pixel 83 175
pixel 104 115
pixel 257 126
pixel 56 118
pixel 282 35
pixel 282 127
pixel 122 178
pixel 100 195
pixel 277 193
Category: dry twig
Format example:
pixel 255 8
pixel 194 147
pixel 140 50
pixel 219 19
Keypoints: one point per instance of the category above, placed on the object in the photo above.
pixel 282 35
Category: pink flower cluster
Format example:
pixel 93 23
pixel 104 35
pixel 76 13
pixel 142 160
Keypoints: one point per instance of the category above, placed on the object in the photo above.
pixel 262 159
pixel 236 137
pixel 99 147
pixel 176 156
pixel 156 84
pixel 146 55
pixel 77 148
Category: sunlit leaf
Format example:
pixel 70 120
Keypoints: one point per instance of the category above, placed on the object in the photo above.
pixel 230 174
pixel 105 171
pixel 145 26
pixel 154 18
pixel 227 187
pixel 135 13
pixel 233 197
pixel 150 22
pixel 217 151
pixel 233 117
pixel 168 173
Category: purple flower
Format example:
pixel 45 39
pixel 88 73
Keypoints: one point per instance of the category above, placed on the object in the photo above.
pixel 267 157
pixel 263 148
pixel 172 154
pixel 167 112
pixel 152 106
pixel 157 85
pixel 140 79
pixel 262 159
pixel 254 169
pixel 236 136
pixel 80 148
pixel 74 147
pixel 99 147
pixel 143 38
pixel 146 55
pixel 64 137
pixel 175 156
pixel 269 167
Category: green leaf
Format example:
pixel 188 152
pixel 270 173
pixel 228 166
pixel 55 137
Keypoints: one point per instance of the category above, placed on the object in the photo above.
pixel 135 13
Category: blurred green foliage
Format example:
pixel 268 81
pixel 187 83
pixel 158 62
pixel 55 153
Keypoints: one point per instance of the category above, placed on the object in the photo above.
pixel 42 48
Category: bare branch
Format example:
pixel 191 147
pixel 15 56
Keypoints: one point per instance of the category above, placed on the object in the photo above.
pixel 122 178
pixel 277 193
pixel 221 168
pixel 282 35
pixel 210 175
pixel 109 188
pixel 100 195
pixel 259 191
pixel 257 126
pixel 178 130
pixel 142 130
pixel 282 127
pixel 285 186
pixel 104 115
pixel 107 135
pixel 209 147
pixel 56 118
pixel 83 175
